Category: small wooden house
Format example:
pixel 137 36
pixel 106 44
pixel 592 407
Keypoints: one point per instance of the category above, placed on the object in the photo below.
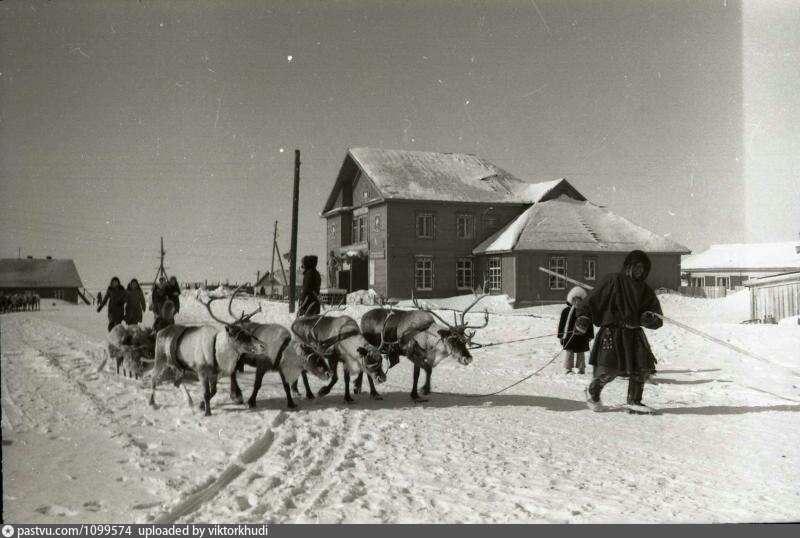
pixel 49 278
pixel 775 297
pixel 728 266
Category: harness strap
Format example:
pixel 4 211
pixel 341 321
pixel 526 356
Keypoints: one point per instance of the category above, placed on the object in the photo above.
pixel 339 337
pixel 283 347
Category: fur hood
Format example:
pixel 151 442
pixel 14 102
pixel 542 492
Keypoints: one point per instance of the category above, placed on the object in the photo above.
pixel 309 262
pixel 577 291
pixel 634 257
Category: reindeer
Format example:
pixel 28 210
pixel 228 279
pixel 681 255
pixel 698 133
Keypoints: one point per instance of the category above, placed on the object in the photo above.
pixel 281 356
pixel 417 335
pixel 128 346
pixel 339 340
pixel 206 350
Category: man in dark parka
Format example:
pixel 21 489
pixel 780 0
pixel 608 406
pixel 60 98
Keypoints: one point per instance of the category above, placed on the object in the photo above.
pixel 312 281
pixel 621 305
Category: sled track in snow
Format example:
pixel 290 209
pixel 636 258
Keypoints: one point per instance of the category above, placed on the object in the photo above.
pixel 206 493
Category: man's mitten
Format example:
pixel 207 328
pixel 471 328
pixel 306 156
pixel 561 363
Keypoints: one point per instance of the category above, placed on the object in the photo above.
pixel 649 320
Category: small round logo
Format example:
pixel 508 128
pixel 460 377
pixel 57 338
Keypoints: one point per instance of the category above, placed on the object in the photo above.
pixel 8 531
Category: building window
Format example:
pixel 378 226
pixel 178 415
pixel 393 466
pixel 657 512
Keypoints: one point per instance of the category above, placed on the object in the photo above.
pixel 465 226
pixel 332 231
pixel 359 229
pixel 590 268
pixel 558 264
pixel 364 195
pixel 464 273
pixel 423 273
pixel 495 274
pixel 425 225
pixel 723 282
pixel 697 281
pixel 58 294
pixel 376 224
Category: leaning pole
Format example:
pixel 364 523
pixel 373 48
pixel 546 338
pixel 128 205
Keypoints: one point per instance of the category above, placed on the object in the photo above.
pixel 293 247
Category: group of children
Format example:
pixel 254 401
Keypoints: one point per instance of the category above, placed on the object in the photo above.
pixel 620 306
pixel 128 304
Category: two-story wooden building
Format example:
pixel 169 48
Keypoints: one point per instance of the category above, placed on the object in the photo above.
pixel 440 223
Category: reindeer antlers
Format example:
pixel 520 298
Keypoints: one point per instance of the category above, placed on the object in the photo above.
pixel 428 310
pixel 241 319
pixel 463 325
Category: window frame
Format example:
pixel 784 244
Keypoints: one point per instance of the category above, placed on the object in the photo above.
pixel 429 269
pixel 422 215
pixel 466 283
pixel 469 226
pixel 587 261
pixel 495 274
pixel 554 282
pixel 359 232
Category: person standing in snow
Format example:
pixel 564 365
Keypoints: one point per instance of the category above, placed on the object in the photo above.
pixel 135 304
pixel 115 297
pixel 574 344
pixel 173 292
pixel 621 305
pixel 159 295
pixel 312 282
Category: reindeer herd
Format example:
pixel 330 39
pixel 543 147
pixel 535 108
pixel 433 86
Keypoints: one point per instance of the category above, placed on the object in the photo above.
pixel 313 344
pixel 18 302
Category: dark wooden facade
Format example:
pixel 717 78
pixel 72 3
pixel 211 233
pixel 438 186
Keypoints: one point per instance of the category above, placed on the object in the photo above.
pixel 377 239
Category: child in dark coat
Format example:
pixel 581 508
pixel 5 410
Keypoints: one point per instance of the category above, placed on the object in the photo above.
pixel 574 344
pixel 115 297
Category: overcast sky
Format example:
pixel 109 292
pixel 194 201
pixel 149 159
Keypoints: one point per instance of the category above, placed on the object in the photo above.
pixel 121 122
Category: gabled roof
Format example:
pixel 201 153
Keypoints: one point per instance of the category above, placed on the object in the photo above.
pixel 38 273
pixel 430 176
pixel 275 280
pixel 783 256
pixel 565 223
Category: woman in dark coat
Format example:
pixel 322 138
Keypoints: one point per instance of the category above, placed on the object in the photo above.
pixel 115 297
pixel 621 305
pixel 312 281
pixel 135 304
pixel 574 344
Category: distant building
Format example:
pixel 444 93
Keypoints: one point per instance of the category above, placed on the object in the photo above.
pixel 438 224
pixel 775 297
pixel 272 286
pixel 49 278
pixel 729 265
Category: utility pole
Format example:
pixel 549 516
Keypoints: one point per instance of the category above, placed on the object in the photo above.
pixel 161 271
pixel 272 263
pixel 293 251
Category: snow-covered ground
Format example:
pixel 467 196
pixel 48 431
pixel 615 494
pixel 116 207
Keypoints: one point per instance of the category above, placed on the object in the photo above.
pixel 84 446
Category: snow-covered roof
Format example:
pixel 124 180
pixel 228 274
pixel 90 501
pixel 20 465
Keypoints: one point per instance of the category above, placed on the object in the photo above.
pixel 38 273
pixel 782 256
pixel 773 280
pixel 568 224
pixel 455 177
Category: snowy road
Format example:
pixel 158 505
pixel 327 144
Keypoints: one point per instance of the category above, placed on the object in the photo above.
pixel 85 446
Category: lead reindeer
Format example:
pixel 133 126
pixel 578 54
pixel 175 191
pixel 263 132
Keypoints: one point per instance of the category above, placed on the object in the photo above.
pixel 281 355
pixel 420 339
pixel 206 350
pixel 338 339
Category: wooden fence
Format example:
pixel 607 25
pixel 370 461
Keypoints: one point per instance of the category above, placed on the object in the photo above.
pixel 707 292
